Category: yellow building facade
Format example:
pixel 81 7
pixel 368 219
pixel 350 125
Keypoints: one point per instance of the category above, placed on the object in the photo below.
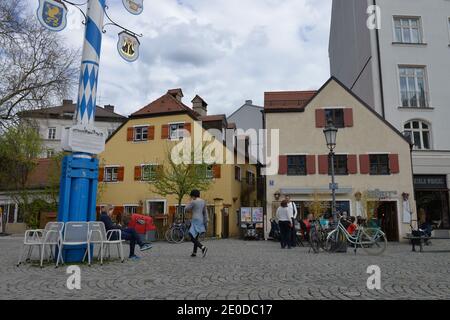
pixel 141 144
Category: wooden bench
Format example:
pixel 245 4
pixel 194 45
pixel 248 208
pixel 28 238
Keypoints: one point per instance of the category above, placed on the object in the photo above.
pixel 420 240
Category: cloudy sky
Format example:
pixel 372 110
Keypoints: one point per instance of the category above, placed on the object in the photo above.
pixel 227 51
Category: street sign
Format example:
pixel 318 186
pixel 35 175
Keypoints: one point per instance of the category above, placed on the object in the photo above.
pixel 83 138
pixel 334 186
pixel 134 6
pixel 128 46
pixel 52 14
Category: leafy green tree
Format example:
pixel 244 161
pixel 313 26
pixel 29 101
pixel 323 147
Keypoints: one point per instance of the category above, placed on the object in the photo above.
pixel 179 179
pixel 20 147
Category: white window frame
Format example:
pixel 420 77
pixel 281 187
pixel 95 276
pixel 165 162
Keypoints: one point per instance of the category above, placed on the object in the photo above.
pixel 421 131
pixel 125 206
pixel 147 206
pixel 50 153
pixel 416 83
pixel 135 128
pixel 51 133
pixel 105 175
pixel 409 28
pixel 142 171
pixel 179 132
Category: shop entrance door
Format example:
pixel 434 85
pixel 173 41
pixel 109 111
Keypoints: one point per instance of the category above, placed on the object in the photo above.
pixel 388 217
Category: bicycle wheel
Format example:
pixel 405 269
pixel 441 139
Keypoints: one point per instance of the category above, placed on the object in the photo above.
pixel 314 240
pixel 177 235
pixel 336 240
pixel 373 241
pixel 168 235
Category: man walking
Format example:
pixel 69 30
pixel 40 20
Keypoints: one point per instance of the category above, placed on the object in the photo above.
pixel 199 222
pixel 293 213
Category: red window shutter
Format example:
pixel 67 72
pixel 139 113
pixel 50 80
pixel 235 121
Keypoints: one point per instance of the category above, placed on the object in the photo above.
pixel 394 166
pixel 311 164
pixel 165 131
pixel 188 128
pixel 120 173
pixel 323 164
pixel 137 173
pixel 130 134
pixel 352 164
pixel 348 117
pixel 320 118
pixel 282 165
pixel 101 172
pixel 216 171
pixel 364 164
pixel 151 133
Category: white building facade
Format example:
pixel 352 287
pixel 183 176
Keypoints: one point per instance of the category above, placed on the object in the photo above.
pixel 402 70
pixel 52 121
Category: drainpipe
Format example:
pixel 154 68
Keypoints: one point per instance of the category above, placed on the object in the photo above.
pixel 377 34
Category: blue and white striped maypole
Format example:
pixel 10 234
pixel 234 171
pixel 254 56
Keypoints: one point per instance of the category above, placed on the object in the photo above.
pixel 87 93
pixel 79 178
pixel 79 174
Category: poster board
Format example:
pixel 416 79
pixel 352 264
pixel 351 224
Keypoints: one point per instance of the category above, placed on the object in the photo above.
pixel 252 215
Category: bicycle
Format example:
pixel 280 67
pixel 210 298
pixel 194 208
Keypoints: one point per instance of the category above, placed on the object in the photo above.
pixel 317 236
pixel 372 240
pixel 179 231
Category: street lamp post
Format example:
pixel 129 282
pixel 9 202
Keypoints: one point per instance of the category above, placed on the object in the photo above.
pixel 330 133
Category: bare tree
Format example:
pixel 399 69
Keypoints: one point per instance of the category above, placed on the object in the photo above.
pixel 36 66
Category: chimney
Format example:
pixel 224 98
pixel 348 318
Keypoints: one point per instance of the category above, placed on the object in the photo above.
pixel 109 108
pixel 176 93
pixel 67 102
pixel 199 105
pixel 249 102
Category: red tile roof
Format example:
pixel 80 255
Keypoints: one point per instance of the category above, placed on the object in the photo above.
pixel 286 100
pixel 216 117
pixel 165 104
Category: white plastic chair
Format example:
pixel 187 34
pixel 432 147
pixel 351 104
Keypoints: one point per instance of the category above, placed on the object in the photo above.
pixel 75 234
pixel 117 241
pixel 42 238
pixel 98 235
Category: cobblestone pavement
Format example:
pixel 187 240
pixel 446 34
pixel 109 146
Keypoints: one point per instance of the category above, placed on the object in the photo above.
pixel 236 269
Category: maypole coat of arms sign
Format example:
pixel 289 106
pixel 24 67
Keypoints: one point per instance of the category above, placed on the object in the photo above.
pixel 52 14
pixel 128 46
pixel 134 6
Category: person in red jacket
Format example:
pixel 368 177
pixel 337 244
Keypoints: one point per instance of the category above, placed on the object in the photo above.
pixel 351 229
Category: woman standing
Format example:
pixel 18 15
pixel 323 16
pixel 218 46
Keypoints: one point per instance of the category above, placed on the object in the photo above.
pixel 284 217
pixel 199 222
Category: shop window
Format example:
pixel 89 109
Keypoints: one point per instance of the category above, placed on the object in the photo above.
pixel 340 165
pixel 379 164
pixel 296 165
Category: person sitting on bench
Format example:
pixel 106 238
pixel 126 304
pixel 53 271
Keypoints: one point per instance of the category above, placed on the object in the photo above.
pixel 127 233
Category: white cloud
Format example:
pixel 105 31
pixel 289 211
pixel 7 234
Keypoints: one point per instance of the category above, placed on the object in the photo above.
pixel 225 51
